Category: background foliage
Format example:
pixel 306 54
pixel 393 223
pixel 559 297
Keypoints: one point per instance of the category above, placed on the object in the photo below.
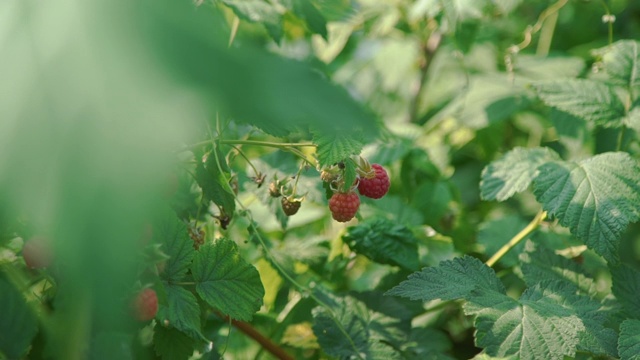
pixel 140 139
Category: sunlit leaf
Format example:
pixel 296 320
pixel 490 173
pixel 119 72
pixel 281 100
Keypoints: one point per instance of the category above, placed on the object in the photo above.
pixel 621 62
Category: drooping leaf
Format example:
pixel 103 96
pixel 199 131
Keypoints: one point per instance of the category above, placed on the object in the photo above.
pixel 626 287
pixel 593 101
pixel 513 173
pixel 629 342
pixel 621 62
pixel 18 325
pixel 451 279
pixel 316 22
pixel 177 244
pixel 493 234
pixel 171 344
pixel 385 242
pixel 258 11
pixel 535 327
pixel 538 264
pixel 213 177
pixel 358 334
pixel 595 198
pixel 226 281
pixel 335 146
pixel 182 311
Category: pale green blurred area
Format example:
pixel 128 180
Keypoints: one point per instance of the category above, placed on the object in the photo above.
pixel 89 121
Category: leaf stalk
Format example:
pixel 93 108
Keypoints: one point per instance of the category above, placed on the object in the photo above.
pixel 532 226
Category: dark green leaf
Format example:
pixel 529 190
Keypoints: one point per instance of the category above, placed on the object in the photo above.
pixel 258 11
pixel 593 101
pixel 596 198
pixel 335 146
pixel 451 279
pixel 18 325
pixel 513 173
pixel 629 343
pixel 171 344
pixel 226 281
pixel 316 22
pixel 626 288
pixel 493 234
pixel 177 244
pixel 182 311
pixel 213 177
pixel 385 242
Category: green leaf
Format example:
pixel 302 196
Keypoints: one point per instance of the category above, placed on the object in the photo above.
pixel 18 325
pixel 513 173
pixel 335 146
pixel 385 242
pixel 494 233
pixel 226 281
pixel 626 287
pixel 178 245
pixel 182 311
pixel 171 344
pixel 595 198
pixel 450 280
pixel 535 327
pixel 629 342
pixel 316 22
pixel 621 62
pixel 427 343
pixel 349 175
pixel 213 177
pixel 258 11
pixel 361 333
pixel 540 263
pixel 593 101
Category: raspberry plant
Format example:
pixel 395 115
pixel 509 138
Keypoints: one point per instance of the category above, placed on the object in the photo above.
pixel 320 180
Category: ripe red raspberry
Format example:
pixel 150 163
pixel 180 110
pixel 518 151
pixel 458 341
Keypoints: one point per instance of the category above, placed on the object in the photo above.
pixel 344 206
pixel 377 186
pixel 145 305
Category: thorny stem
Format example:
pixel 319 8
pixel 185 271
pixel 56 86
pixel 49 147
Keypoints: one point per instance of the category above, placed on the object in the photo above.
pixel 282 271
pixel 533 225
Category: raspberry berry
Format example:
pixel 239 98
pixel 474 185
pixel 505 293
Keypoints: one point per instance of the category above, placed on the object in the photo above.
pixel 344 206
pixel 37 253
pixel 376 186
pixel 145 305
pixel 290 206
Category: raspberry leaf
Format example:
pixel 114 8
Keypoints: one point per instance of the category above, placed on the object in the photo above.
pixel 182 311
pixel 385 242
pixel 513 173
pixel 213 177
pixel 621 62
pixel 629 342
pixel 595 198
pixel 335 146
pixel 18 325
pixel 261 12
pixel 593 101
pixel 178 245
pixel 169 343
pixel 626 287
pixel 226 281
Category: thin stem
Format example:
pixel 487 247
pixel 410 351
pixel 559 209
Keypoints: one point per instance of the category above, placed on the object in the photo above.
pixel 546 35
pixel 533 225
pixel 265 342
pixel 609 20
pixel 620 138
pixel 244 156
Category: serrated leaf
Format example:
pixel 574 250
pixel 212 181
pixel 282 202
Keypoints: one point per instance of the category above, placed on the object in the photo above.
pixel 593 101
pixel 493 234
pixel 171 344
pixel 621 62
pixel 451 279
pixel 349 175
pixel 539 263
pixel 595 198
pixel 258 11
pixel 226 281
pixel 316 22
pixel 213 177
pixel 334 147
pixel 626 287
pixel 428 343
pixel 535 327
pixel 177 244
pixel 385 242
pixel 182 311
pixel 513 173
pixel 629 342
pixel 18 325
pixel 358 337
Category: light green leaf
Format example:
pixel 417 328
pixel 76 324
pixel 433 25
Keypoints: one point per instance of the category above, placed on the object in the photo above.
pixel 626 287
pixel 539 263
pixel 258 11
pixel 535 327
pixel 171 344
pixel 363 337
pixel 182 311
pixel 629 342
pixel 226 281
pixel 335 146
pixel 177 244
pixel 385 242
pixel 595 198
pixel 493 234
pixel 18 325
pixel 451 279
pixel 593 101
pixel 622 62
pixel 513 173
